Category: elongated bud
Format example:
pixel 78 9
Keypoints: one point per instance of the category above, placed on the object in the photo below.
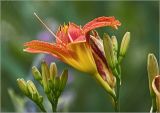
pixel 124 46
pixel 23 86
pixel 57 83
pixel 31 87
pixel 53 71
pixel 115 43
pixel 153 70
pixel 156 89
pixel 109 53
pixel 36 73
pixel 45 76
pixel 63 78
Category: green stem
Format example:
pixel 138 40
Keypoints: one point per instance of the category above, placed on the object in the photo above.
pixel 54 105
pixel 154 109
pixel 117 101
pixel 41 107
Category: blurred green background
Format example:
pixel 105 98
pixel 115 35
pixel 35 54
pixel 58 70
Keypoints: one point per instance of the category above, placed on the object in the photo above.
pixel 18 25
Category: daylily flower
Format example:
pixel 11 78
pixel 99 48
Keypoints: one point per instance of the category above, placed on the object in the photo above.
pixel 73 47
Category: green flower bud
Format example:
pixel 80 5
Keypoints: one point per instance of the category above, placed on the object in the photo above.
pixel 109 53
pixel 53 71
pixel 63 78
pixel 124 46
pixel 115 43
pixel 34 95
pixel 36 73
pixel 23 86
pixel 31 87
pixel 45 77
pixel 57 83
pixel 153 70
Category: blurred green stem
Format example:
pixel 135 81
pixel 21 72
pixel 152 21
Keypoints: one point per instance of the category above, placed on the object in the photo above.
pixel 41 107
pixel 117 100
pixel 53 100
pixel 154 106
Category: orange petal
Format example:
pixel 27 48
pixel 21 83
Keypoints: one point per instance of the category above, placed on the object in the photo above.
pixel 37 46
pixel 101 22
pixel 69 33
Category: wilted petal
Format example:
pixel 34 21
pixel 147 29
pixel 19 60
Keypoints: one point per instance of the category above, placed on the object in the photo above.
pixel 101 62
pixel 101 22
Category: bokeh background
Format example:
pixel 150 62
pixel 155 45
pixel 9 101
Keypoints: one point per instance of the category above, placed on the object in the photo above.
pixel 18 25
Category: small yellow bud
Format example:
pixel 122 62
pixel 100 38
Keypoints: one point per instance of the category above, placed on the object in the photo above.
pixel 45 76
pixel 53 71
pixel 124 46
pixel 36 73
pixel 23 86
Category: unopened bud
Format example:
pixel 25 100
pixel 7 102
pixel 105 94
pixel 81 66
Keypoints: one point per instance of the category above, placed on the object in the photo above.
pixel 57 83
pixel 153 69
pixel 109 53
pixel 36 73
pixel 31 87
pixel 115 43
pixel 53 71
pixel 156 89
pixel 23 86
pixel 63 78
pixel 124 46
pixel 45 76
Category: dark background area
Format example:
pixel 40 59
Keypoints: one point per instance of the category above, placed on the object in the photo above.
pixel 19 25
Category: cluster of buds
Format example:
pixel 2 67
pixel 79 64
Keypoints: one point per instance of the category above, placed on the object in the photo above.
pixel 52 84
pixel 154 82
pixel 108 57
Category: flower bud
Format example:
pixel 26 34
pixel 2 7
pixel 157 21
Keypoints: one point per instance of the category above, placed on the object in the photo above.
pixel 124 46
pixel 63 79
pixel 156 89
pixel 115 43
pixel 36 73
pixel 108 48
pixel 57 83
pixel 53 71
pixel 45 76
pixel 153 69
pixel 23 86
pixel 31 87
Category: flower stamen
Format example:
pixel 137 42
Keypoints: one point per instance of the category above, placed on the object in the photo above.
pixel 47 28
